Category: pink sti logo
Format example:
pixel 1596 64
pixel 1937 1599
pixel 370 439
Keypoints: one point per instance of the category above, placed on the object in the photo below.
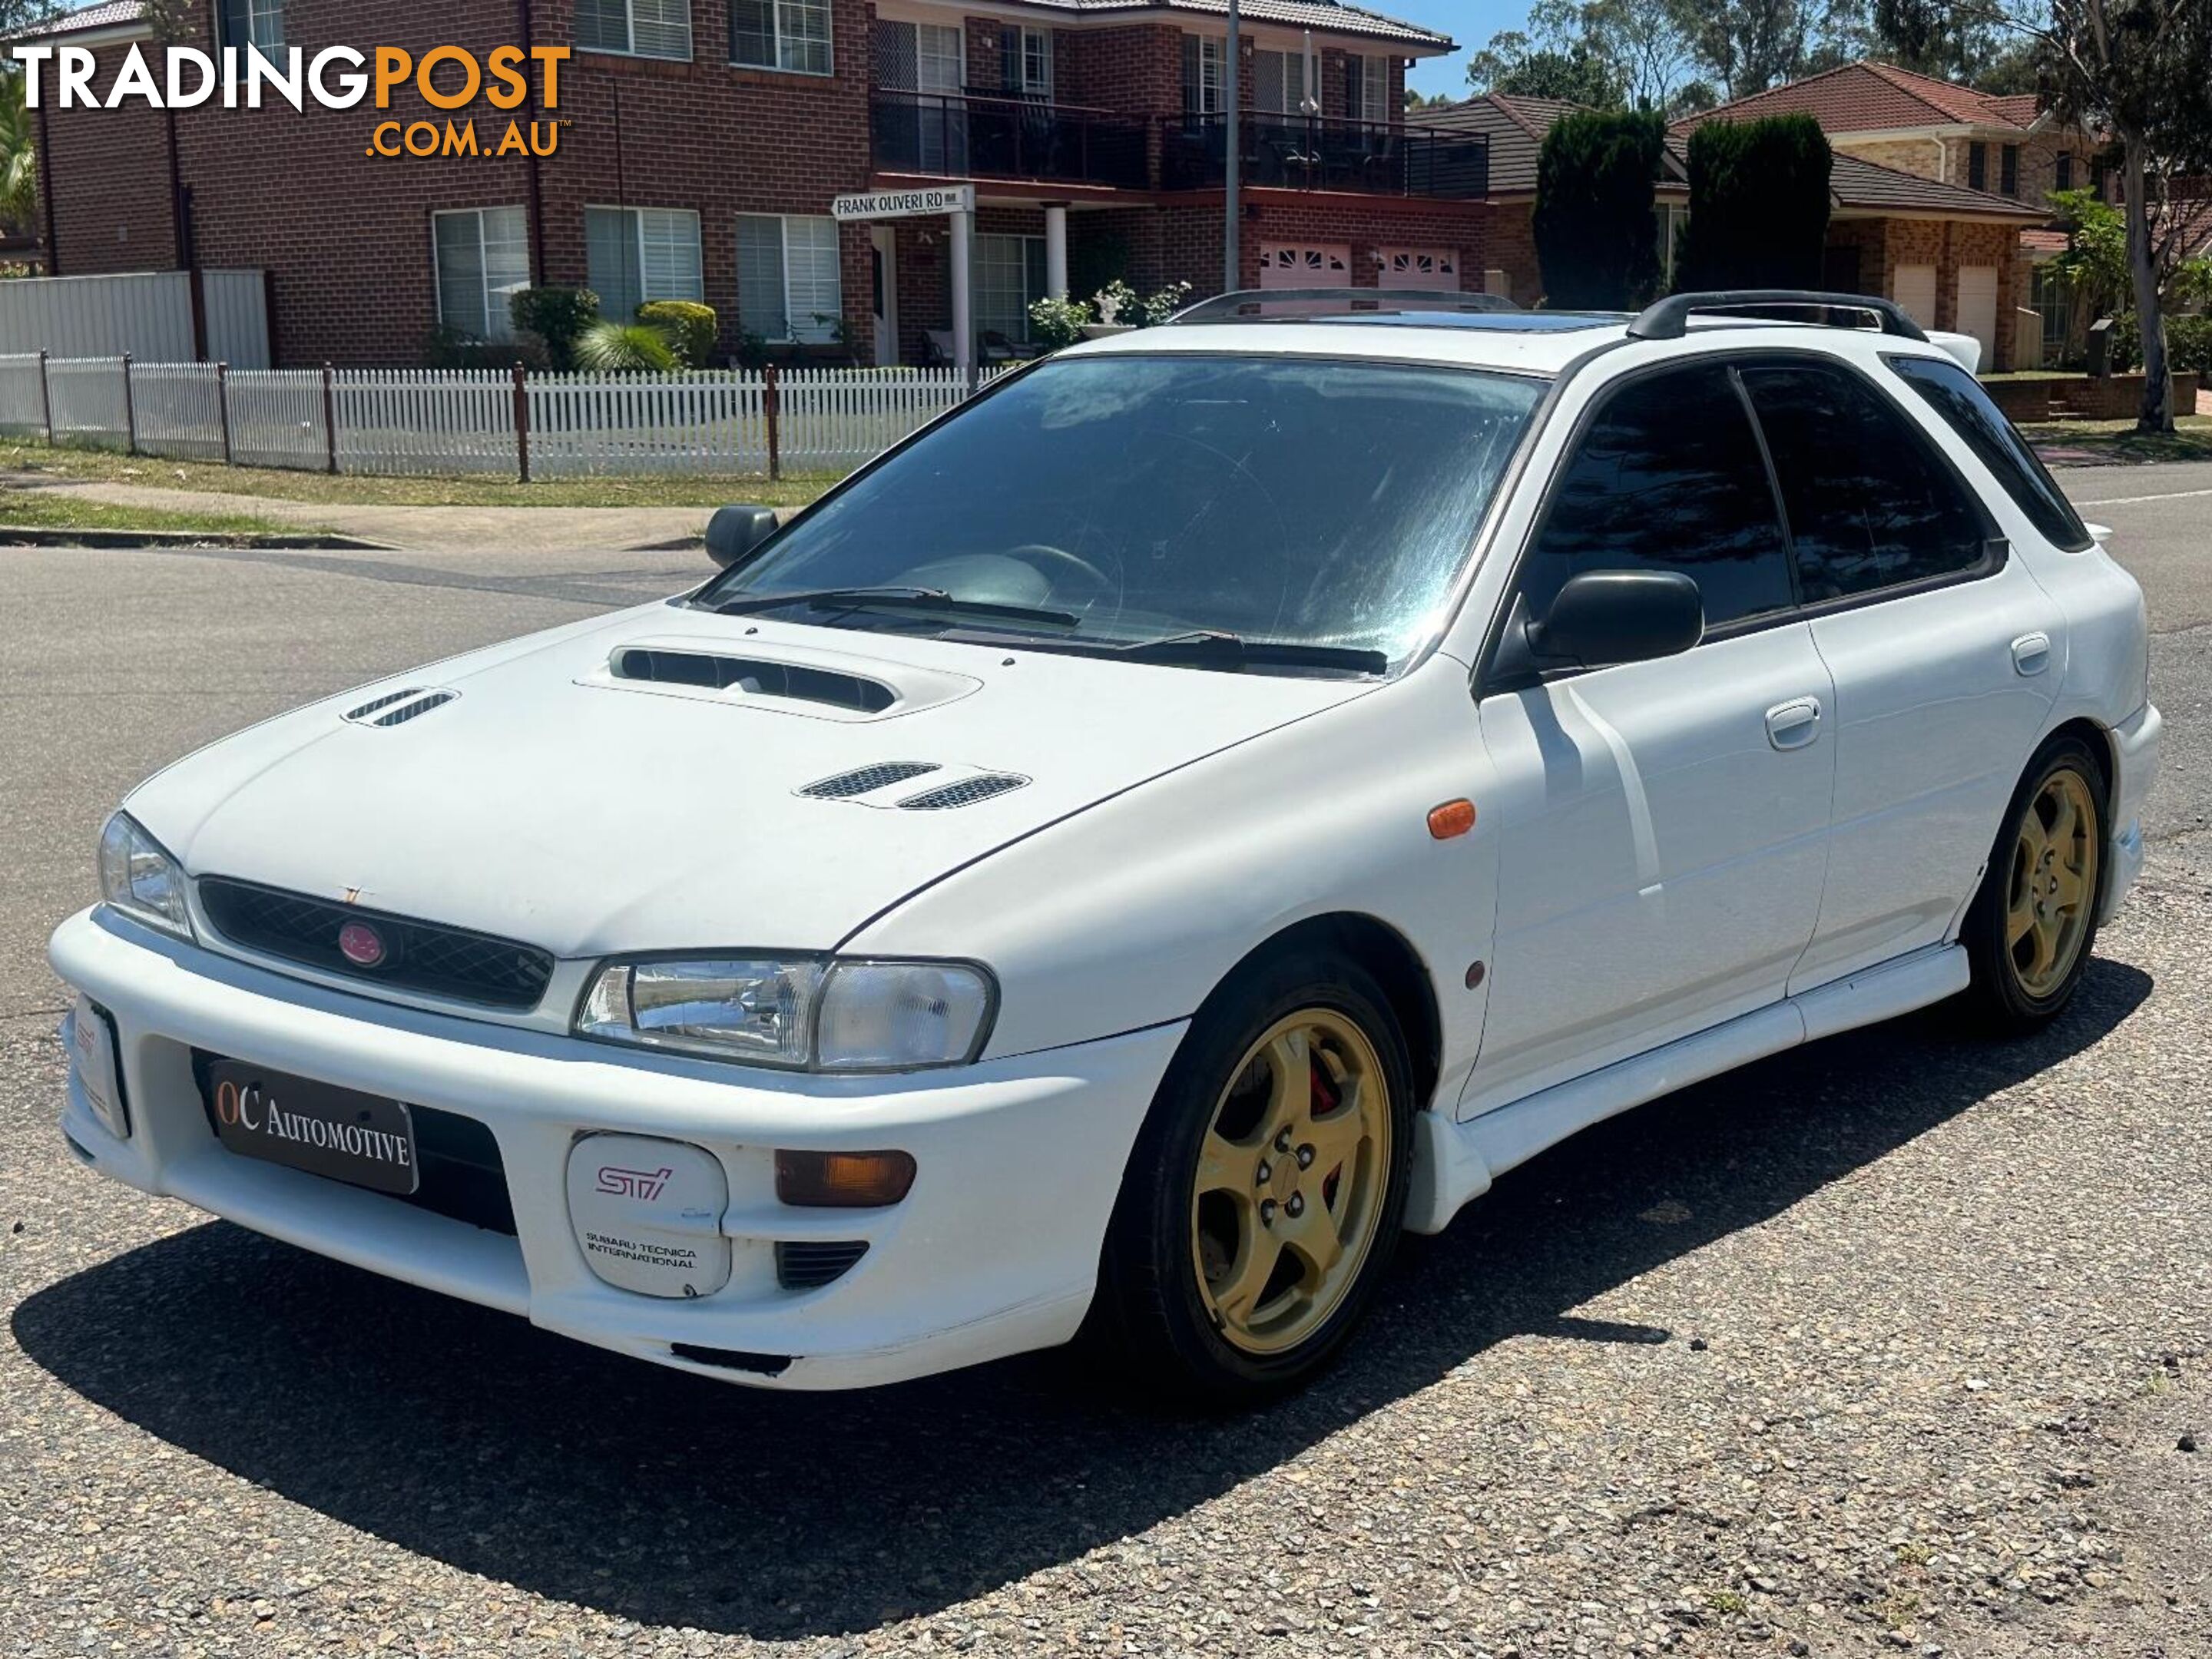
pixel 361 944
pixel 634 1183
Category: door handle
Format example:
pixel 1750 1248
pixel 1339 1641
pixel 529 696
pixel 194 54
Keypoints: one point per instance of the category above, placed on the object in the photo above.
pixel 2030 652
pixel 1794 723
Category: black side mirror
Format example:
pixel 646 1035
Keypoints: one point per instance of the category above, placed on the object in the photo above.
pixel 1605 617
pixel 734 531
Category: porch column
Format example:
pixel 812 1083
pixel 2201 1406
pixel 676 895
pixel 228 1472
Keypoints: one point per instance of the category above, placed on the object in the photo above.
pixel 1056 251
pixel 963 325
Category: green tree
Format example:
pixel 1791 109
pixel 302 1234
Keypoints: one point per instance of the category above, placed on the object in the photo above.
pixel 1593 222
pixel 1512 64
pixel 2141 71
pixel 1759 204
pixel 19 156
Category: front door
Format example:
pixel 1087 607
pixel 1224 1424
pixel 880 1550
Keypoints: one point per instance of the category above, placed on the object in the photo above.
pixel 1662 825
pixel 884 274
pixel 1914 290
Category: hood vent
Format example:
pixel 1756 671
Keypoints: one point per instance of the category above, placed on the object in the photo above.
pixel 966 793
pixel 866 780
pixel 397 708
pixel 754 677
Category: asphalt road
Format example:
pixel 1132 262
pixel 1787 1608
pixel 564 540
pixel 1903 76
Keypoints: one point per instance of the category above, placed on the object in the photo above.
pixel 1889 1344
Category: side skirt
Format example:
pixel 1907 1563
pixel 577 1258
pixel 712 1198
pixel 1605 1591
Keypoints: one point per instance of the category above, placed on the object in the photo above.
pixel 1454 1162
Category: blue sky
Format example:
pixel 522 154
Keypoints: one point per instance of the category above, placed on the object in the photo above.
pixel 1470 23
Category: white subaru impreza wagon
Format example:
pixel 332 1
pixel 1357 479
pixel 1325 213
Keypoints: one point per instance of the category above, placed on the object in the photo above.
pixel 1215 801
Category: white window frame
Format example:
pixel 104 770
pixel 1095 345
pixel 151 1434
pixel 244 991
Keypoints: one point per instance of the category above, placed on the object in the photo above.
pixel 265 27
pixel 781 14
pixel 1037 75
pixel 1294 68
pixel 1375 88
pixel 1021 331
pixel 630 29
pixel 794 332
pixel 499 321
pixel 646 295
pixel 1212 63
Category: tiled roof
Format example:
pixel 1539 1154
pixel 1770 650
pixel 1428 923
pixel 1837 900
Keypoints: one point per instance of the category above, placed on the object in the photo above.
pixel 103 14
pixel 1326 14
pixel 1866 96
pixel 2043 241
pixel 1855 182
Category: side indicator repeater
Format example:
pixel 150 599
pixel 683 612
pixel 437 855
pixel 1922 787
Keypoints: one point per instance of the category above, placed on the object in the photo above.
pixel 1454 817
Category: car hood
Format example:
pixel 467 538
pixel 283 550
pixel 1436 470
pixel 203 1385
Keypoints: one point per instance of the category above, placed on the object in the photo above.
pixel 564 796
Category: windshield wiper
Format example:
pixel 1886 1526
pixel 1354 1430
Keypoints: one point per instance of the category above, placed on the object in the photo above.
pixel 1206 646
pixel 912 599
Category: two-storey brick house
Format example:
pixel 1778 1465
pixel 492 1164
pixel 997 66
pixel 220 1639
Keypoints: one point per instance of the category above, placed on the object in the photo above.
pixel 700 142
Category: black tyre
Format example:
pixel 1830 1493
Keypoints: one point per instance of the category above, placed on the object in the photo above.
pixel 1267 1189
pixel 2033 923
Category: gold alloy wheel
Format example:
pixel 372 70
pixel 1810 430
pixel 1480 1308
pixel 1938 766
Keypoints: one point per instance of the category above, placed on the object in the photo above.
pixel 2053 886
pixel 1290 1179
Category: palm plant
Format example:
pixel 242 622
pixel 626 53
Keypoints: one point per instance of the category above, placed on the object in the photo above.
pixel 19 156
pixel 608 345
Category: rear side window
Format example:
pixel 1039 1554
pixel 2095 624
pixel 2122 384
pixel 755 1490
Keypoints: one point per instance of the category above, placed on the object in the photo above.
pixel 1870 505
pixel 1968 411
pixel 1668 477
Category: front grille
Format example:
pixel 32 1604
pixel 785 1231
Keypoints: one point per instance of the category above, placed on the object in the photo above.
pixel 807 1264
pixel 418 955
pixel 459 1170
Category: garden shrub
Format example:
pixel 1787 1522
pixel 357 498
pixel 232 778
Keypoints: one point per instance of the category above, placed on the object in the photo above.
pixel 1057 323
pixel 608 346
pixel 1595 237
pixel 1759 205
pixel 691 328
pixel 557 316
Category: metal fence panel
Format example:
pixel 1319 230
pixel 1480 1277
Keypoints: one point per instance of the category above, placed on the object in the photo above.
pixel 178 408
pixel 22 397
pixel 425 420
pixel 236 306
pixel 89 400
pixel 276 418
pixel 149 314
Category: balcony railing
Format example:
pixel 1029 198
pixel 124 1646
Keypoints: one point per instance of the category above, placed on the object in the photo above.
pixel 1303 153
pixel 957 137
pixel 1007 138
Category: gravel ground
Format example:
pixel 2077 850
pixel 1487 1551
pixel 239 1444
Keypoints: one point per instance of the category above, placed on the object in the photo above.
pixel 1887 1344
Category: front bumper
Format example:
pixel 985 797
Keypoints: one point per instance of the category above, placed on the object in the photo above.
pixel 994 1250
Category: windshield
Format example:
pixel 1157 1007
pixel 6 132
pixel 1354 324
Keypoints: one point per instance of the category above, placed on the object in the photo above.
pixel 1120 499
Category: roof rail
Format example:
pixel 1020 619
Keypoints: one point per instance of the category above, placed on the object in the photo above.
pixel 1668 319
pixel 1250 304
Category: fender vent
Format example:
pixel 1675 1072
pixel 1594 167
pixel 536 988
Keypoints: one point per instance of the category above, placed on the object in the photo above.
pixel 966 793
pixel 754 677
pixel 397 708
pixel 866 780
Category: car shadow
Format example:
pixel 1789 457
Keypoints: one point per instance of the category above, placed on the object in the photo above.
pixel 468 1436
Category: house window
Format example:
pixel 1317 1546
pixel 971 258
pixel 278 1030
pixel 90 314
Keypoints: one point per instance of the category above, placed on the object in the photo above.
pixel 1673 218
pixel 1368 81
pixel 1202 60
pixel 2062 173
pixel 2008 170
pixel 641 28
pixel 254 23
pixel 1025 62
pixel 789 283
pixel 1009 275
pixel 484 261
pixel 1977 167
pixel 1279 81
pixel 636 254
pixel 780 35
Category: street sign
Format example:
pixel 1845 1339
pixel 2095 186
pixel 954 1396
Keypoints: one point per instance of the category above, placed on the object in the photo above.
pixel 870 204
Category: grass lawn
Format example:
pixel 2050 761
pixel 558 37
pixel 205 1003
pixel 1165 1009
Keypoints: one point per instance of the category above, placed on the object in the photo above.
pixel 2191 440
pixel 55 509
pixel 686 490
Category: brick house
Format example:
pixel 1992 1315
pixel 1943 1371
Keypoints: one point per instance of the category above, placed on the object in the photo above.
pixel 1944 250
pixel 701 142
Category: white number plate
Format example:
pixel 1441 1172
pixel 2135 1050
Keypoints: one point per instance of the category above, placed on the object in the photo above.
pixel 92 1051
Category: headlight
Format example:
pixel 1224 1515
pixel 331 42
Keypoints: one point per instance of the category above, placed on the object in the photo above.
pixel 798 1011
pixel 138 877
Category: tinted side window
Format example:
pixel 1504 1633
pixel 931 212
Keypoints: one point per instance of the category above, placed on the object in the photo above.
pixel 1668 477
pixel 1869 504
pixel 1969 411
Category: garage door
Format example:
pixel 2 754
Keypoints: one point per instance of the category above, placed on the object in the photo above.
pixel 1978 306
pixel 1914 290
pixel 1431 268
pixel 1305 264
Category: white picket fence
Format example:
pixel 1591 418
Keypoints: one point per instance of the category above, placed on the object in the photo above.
pixel 441 422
